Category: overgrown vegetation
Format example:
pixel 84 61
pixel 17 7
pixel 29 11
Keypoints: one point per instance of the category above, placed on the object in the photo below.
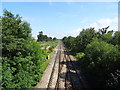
pixel 22 58
pixel 50 44
pixel 99 55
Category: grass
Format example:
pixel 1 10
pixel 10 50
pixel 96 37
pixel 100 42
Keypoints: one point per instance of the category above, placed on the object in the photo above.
pixel 49 43
pixel 52 44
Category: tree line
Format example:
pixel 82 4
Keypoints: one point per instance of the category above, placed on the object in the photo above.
pixel 99 55
pixel 42 37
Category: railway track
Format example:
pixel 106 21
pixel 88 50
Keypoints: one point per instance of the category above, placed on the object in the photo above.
pixel 62 70
pixel 72 75
pixel 54 75
pixel 64 74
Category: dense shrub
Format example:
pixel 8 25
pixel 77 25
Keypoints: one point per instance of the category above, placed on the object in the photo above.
pixel 22 57
pixel 116 38
pixel 80 56
pixel 101 59
pixel 70 42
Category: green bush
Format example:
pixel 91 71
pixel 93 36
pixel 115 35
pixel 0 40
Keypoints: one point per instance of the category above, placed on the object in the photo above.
pixel 79 55
pixel 22 58
pixel 101 59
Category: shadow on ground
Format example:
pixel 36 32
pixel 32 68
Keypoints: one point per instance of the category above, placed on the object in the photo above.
pixel 81 80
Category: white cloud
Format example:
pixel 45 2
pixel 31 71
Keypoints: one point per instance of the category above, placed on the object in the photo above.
pixel 34 36
pixel 94 25
pixel 101 23
pixel 107 21
pixel 75 32
pixel 112 22
pixel 61 34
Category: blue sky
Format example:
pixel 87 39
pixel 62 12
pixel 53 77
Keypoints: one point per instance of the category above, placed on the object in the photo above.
pixel 59 19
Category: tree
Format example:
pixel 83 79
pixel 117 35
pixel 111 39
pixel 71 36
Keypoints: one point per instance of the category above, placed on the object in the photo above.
pixel 14 34
pixel 41 33
pixel 84 38
pixel 54 38
pixel 42 37
pixel 107 37
pixel 21 56
pixel 101 59
pixel 103 30
pixel 98 54
pixel 116 38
